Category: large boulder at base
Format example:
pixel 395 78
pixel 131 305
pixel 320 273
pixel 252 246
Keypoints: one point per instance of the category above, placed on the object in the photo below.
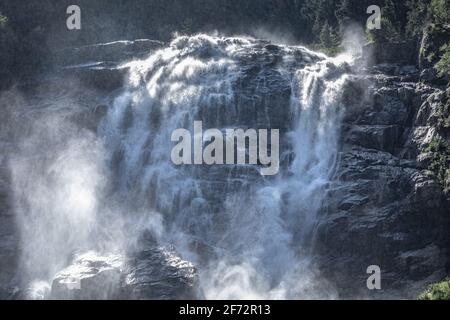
pixel 160 273
pixel 156 273
pixel 91 276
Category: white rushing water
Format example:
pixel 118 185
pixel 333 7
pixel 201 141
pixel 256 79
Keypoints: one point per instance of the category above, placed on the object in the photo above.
pixel 249 237
pixel 57 177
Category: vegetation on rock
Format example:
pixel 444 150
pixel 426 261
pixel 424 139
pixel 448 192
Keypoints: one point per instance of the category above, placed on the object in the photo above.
pixel 437 291
pixel 39 25
pixel 439 149
pixel 443 65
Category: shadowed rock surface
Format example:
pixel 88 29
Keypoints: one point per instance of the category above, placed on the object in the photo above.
pixel 384 207
pixel 156 273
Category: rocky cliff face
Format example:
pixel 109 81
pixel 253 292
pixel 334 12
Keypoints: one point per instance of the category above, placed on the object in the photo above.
pixel 382 205
pixel 385 208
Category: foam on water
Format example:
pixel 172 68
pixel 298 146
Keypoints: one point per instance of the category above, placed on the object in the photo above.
pixel 248 236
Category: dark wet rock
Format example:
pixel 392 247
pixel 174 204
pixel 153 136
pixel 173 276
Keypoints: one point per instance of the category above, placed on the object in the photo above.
pixel 98 66
pixel 435 36
pixel 380 137
pixel 428 75
pixel 117 51
pixel 98 76
pixel 384 207
pixel 428 113
pixel 160 273
pixel 383 105
pixel 405 53
pixel 91 276
pixel 156 273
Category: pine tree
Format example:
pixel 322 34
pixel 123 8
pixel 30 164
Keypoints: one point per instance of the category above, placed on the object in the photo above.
pixel 417 17
pixel 325 36
pixel 443 65
pixel 344 10
pixel 440 11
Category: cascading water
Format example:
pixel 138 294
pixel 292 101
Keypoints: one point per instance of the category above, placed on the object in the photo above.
pixel 249 236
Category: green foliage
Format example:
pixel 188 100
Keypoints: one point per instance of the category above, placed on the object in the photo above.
pixel 325 36
pixel 443 113
pixel 388 33
pixel 439 149
pixel 417 15
pixel 443 65
pixel 440 11
pixel 390 29
pixel 329 40
pixel 39 25
pixel 437 291
pixel 3 21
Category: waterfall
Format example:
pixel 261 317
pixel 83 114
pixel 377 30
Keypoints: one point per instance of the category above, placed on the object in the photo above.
pixel 250 236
